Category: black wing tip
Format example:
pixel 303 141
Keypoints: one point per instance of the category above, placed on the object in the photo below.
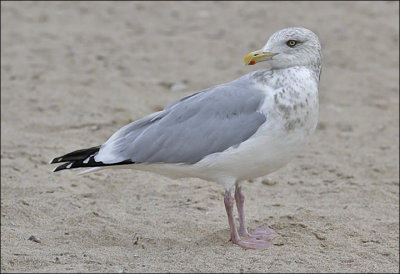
pixel 90 163
pixel 76 155
pixel 56 160
pixel 61 167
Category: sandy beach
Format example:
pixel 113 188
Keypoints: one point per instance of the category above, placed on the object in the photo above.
pixel 72 73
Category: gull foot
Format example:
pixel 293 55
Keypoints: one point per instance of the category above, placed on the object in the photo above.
pixel 256 240
pixel 253 243
pixel 261 233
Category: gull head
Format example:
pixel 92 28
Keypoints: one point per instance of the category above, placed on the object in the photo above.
pixel 289 47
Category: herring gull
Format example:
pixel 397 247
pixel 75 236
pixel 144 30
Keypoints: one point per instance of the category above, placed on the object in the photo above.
pixel 228 133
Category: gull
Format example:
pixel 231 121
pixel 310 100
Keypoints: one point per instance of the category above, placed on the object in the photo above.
pixel 229 133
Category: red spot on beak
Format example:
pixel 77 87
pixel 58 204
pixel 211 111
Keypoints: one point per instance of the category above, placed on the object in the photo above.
pixel 251 63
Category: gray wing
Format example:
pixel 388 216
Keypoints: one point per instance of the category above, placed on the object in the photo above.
pixel 203 123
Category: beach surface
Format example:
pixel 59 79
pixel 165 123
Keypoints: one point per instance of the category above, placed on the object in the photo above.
pixel 72 73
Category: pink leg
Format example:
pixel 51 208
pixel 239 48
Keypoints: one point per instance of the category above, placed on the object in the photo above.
pixel 252 243
pixel 261 233
pixel 239 197
pixel 229 211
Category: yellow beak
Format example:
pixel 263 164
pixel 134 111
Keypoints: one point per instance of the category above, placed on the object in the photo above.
pixel 257 56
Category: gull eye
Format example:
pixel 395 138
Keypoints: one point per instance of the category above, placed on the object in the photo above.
pixel 291 43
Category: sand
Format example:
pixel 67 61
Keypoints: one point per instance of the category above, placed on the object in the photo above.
pixel 72 73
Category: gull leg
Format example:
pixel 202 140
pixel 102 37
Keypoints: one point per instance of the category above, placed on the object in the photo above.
pixel 261 233
pixel 239 198
pixel 251 243
pixel 229 211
